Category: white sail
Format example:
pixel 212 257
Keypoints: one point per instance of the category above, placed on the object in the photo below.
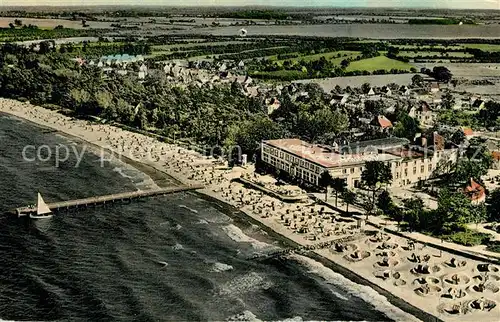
pixel 42 207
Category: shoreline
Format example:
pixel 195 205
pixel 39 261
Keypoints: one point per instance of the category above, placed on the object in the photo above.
pixel 358 275
pixel 161 178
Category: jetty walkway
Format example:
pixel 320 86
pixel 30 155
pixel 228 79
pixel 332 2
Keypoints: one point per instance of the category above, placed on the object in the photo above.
pixel 101 200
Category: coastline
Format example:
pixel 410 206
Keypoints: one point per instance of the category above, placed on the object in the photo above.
pixel 163 176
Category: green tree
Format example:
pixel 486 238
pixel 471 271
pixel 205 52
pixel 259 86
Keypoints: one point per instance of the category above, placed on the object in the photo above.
pixel 344 63
pixel 467 169
pixel 349 198
pixel 448 101
pixel 490 114
pixel 406 127
pixel 339 186
pixel 320 122
pixel 454 211
pixel 413 213
pixel 325 180
pixel 250 134
pixel 365 88
pixel 417 80
pixel 384 201
pixel 376 174
pixel 493 207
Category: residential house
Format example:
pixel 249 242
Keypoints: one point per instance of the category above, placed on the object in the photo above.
pixel 272 105
pixel 423 113
pixel 478 104
pixel 468 132
pixel 339 99
pixel 496 160
pixel 381 123
pixel 475 192
pixel 434 88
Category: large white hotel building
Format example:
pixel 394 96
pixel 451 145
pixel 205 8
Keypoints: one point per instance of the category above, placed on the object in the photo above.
pixel 308 161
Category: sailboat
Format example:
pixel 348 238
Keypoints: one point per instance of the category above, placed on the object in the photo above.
pixel 42 210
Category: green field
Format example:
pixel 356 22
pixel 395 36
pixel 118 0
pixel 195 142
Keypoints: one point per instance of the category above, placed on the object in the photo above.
pixel 377 63
pixel 331 56
pixel 292 74
pixel 425 48
pixel 483 47
pixel 195 44
pixel 433 53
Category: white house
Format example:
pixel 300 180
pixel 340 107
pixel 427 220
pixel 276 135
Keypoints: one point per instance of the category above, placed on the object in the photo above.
pixel 423 113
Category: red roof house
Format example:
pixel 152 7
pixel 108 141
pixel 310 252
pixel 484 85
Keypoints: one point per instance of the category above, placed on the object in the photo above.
pixel 475 192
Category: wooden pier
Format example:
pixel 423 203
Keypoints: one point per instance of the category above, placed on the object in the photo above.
pixel 101 200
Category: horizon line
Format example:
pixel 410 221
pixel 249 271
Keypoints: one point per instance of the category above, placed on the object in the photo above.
pixel 242 6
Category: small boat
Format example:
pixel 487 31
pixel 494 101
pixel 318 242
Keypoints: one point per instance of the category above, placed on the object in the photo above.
pixel 42 210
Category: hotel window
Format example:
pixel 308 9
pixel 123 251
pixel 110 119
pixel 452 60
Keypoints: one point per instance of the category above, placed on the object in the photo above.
pixel 352 170
pixel 430 167
pixel 414 170
pixel 422 169
pixel 344 171
pixel 406 172
pixel 397 175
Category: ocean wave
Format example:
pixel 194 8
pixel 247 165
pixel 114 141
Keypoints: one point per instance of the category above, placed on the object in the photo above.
pixel 249 316
pixel 221 267
pixel 237 235
pixel 366 293
pixel 190 209
pixel 122 173
pixel 177 247
pixel 245 283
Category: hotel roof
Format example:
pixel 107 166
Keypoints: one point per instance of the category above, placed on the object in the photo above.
pixel 326 156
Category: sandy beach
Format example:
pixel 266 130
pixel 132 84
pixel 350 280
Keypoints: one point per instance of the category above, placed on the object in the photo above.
pixel 449 287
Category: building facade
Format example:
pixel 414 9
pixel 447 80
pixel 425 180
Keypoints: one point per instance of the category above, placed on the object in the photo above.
pixel 308 161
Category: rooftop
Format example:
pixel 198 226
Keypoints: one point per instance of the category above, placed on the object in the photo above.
pixel 372 145
pixel 326 156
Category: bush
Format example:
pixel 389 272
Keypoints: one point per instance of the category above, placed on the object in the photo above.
pixel 494 246
pixel 468 238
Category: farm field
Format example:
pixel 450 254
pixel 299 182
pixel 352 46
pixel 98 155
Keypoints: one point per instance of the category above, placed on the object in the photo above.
pixel 335 57
pixel 483 47
pixel 168 48
pixel 292 74
pixel 376 63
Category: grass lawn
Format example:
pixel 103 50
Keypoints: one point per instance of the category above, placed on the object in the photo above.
pixel 376 63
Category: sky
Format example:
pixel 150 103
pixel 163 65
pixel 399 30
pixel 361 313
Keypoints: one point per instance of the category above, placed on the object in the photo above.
pixel 453 4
